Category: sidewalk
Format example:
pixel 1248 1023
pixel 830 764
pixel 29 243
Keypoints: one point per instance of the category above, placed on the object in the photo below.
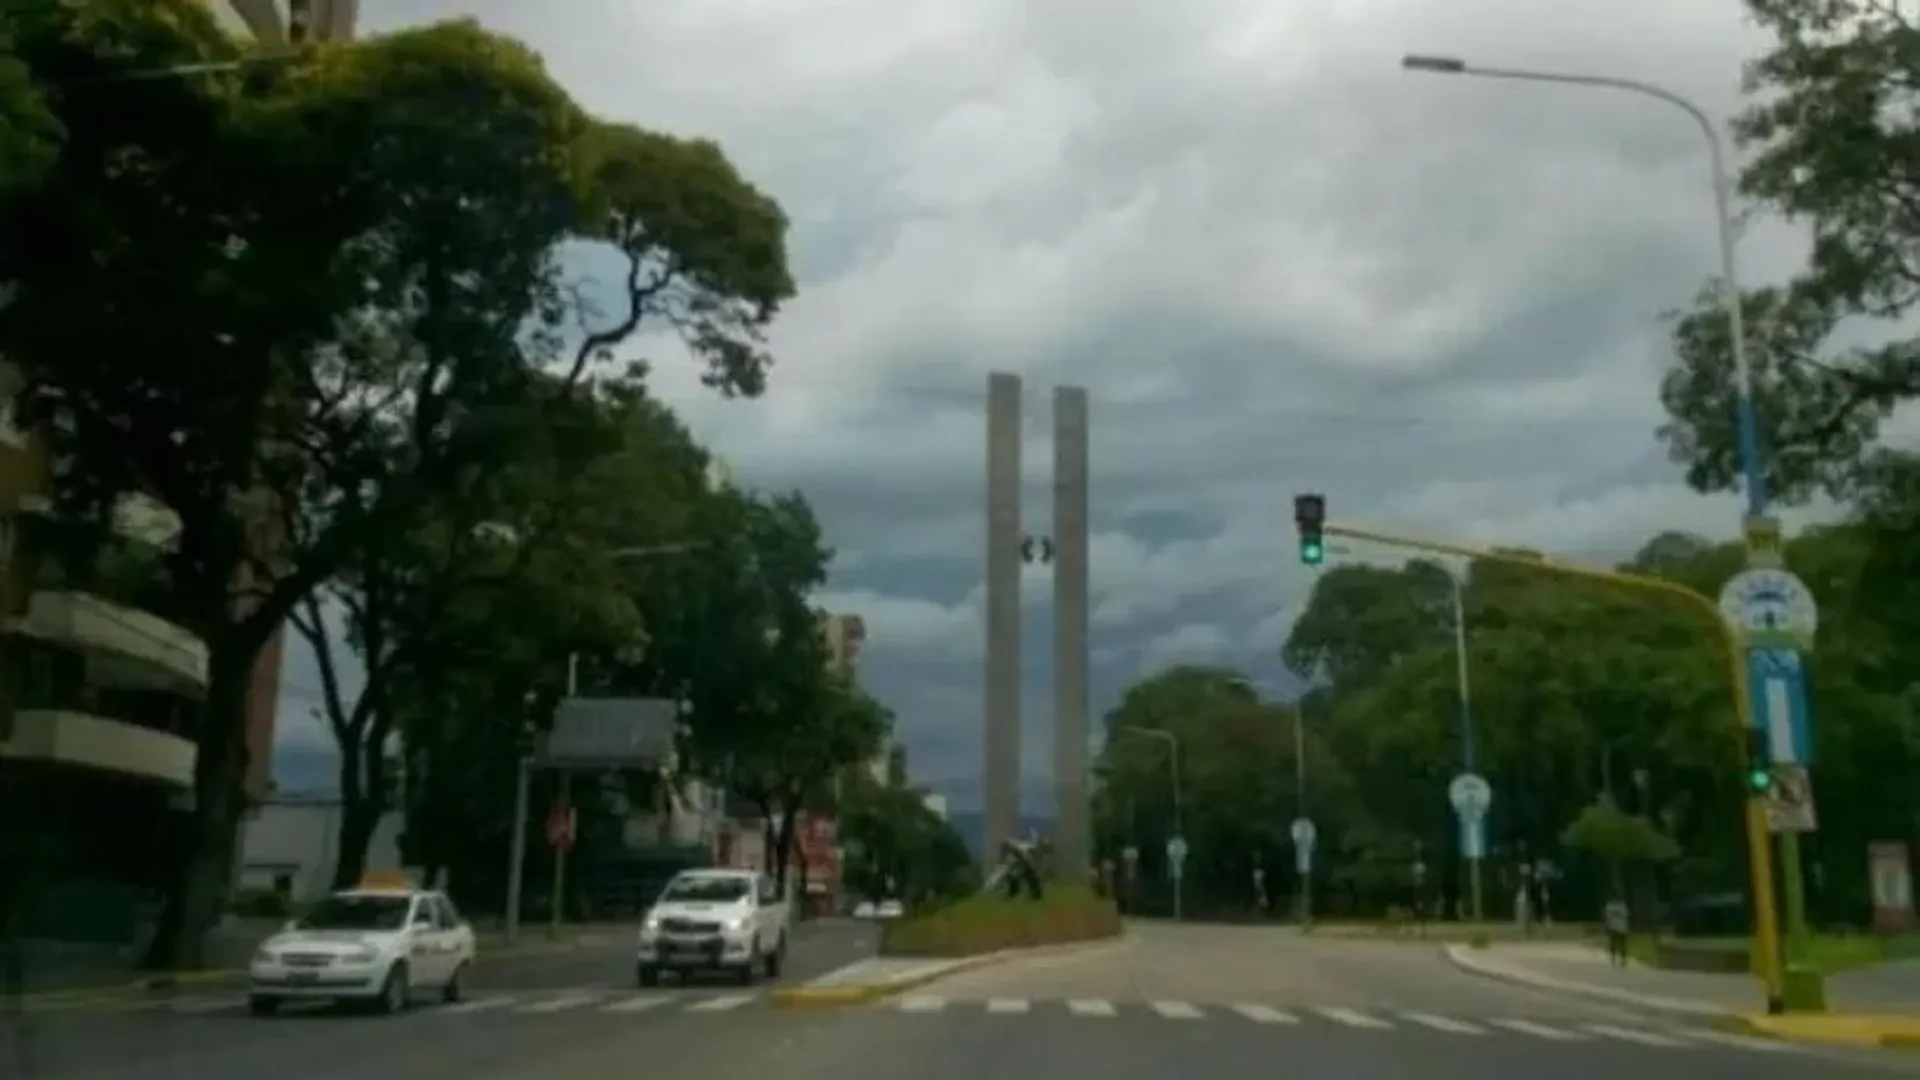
pixel 1877 1006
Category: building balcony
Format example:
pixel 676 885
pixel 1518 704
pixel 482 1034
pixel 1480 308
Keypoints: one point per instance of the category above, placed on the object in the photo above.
pixel 96 742
pixel 125 648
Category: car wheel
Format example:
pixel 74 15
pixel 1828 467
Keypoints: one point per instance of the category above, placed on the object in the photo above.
pixel 777 958
pixel 745 973
pixel 454 990
pixel 648 975
pixel 394 996
pixel 262 1005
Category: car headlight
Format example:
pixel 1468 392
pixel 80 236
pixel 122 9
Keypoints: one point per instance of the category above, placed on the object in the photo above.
pixel 735 926
pixel 361 956
pixel 265 955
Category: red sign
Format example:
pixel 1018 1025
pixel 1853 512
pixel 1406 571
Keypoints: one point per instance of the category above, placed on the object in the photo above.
pixel 561 822
pixel 818 844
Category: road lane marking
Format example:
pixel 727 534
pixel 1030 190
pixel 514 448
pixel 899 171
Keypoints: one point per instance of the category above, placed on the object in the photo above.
pixel 1540 1031
pixel 1007 1006
pixel 723 1003
pixel 1176 1010
pixel 1261 1014
pixel 559 1004
pixel 477 1005
pixel 1352 1019
pixel 1644 1038
pixel 922 1004
pixel 1442 1023
pixel 1092 1007
pixel 640 1003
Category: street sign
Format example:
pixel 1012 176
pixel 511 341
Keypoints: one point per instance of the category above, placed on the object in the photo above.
pixel 1789 802
pixel 561 825
pixel 1303 832
pixel 612 732
pixel 1130 853
pixel 1473 838
pixel 1419 871
pixel 1777 683
pixel 1770 608
pixel 1177 851
pixel 1470 795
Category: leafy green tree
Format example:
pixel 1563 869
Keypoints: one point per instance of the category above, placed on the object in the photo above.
pixel 1825 138
pixel 896 847
pixel 29 133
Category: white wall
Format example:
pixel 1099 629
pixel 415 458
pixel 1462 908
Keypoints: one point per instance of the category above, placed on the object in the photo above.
pixel 301 839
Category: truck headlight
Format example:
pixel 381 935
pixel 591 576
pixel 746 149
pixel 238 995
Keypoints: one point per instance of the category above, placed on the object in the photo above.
pixel 737 925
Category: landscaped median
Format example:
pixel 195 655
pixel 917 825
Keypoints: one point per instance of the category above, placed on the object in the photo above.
pixel 975 931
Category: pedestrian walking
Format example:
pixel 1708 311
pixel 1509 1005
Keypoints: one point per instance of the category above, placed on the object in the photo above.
pixel 1614 916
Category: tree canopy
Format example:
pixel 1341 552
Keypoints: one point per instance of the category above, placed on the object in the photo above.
pixel 317 304
pixel 1602 718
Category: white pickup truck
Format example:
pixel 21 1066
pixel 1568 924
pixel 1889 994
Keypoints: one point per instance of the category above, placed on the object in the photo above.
pixel 733 921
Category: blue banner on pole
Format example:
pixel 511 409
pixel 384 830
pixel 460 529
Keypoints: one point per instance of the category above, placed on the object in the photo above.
pixel 1777 681
pixel 1473 838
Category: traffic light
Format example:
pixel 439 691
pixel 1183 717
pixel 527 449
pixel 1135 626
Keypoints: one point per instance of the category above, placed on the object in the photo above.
pixel 1310 515
pixel 1759 773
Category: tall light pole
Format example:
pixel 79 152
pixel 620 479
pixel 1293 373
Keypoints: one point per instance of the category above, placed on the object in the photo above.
pixel 1173 775
pixel 1457 579
pixel 1747 428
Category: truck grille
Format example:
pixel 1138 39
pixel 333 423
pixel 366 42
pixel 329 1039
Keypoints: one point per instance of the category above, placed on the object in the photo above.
pixel 689 926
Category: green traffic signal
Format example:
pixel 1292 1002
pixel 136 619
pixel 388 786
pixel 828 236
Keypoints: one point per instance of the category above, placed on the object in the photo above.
pixel 1312 552
pixel 1759 779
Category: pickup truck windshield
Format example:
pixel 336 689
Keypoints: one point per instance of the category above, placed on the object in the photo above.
pixel 707 890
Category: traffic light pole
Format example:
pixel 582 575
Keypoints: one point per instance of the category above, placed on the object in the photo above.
pixel 1766 921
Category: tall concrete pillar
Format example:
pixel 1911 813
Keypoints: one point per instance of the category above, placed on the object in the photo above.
pixel 1073 845
pixel 1002 717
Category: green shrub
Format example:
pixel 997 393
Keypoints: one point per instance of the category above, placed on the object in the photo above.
pixel 990 923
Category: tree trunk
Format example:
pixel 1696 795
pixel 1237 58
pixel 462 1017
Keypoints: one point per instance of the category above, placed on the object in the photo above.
pixel 205 868
pixel 362 801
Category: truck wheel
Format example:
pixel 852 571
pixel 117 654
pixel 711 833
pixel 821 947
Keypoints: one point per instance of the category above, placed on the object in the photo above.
pixel 747 972
pixel 777 958
pixel 648 975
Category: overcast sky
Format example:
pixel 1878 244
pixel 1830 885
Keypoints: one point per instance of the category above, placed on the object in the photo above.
pixel 1277 262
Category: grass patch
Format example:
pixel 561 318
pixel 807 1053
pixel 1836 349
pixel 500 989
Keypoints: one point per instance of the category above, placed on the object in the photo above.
pixel 990 923
pixel 1830 953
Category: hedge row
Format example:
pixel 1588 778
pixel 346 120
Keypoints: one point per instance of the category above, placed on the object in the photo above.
pixel 991 923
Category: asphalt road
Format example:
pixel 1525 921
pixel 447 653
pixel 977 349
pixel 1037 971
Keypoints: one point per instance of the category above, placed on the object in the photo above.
pixel 518 1009
pixel 1146 1009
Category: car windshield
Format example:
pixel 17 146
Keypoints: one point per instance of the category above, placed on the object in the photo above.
pixel 356 913
pixel 706 890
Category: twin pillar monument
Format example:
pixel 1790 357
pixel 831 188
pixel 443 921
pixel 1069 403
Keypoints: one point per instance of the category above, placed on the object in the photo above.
pixel 1009 547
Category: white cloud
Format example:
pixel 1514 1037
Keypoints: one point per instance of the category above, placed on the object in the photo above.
pixel 1278 263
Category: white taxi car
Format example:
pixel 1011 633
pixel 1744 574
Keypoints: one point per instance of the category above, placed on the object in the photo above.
pixel 382 945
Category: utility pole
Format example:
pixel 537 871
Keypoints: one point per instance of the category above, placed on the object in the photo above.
pixel 1001 722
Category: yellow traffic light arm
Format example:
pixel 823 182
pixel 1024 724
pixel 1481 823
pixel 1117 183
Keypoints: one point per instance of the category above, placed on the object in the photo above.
pixel 1766 927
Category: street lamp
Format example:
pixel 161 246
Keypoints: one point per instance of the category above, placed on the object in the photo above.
pixel 1173 774
pixel 1745 416
pixel 1746 423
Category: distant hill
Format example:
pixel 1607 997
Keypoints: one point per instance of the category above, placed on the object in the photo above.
pixel 972 826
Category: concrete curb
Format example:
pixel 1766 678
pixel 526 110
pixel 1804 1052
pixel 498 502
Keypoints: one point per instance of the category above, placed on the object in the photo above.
pixel 1830 1029
pixel 1464 958
pixel 133 990
pixel 829 995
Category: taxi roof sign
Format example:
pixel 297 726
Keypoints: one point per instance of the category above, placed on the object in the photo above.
pixel 386 879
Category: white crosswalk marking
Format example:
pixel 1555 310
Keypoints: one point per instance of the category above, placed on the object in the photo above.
pixel 640 1003
pixel 1261 1014
pixel 723 1003
pixel 1092 1007
pixel 1644 1038
pixel 1539 1031
pixel 1176 1010
pixel 559 1004
pixel 922 1004
pixel 1442 1023
pixel 1352 1018
pixel 475 1005
pixel 1007 1006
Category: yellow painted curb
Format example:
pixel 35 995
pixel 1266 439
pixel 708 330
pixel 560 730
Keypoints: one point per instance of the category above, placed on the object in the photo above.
pixel 1834 1029
pixel 826 997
